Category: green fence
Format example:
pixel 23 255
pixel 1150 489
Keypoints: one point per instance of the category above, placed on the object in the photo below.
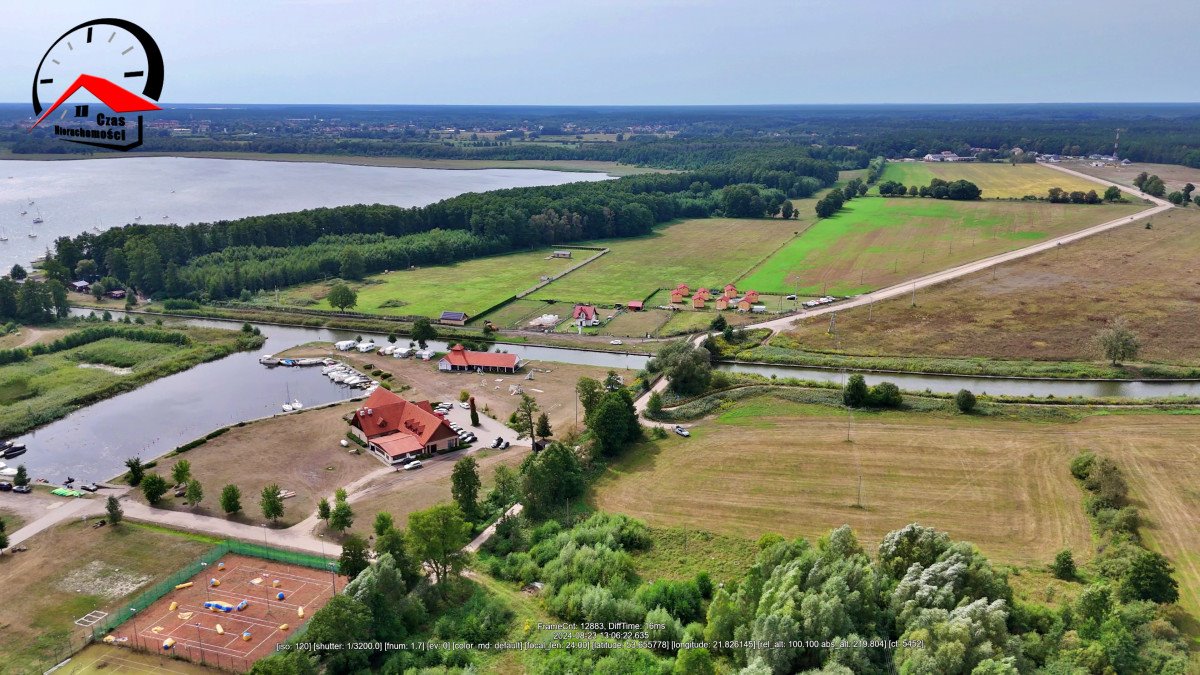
pixel 302 559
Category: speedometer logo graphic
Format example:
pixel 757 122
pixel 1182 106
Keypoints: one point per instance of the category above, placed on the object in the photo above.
pixel 106 69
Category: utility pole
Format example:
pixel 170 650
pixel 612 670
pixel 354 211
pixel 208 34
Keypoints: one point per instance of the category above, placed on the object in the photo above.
pixel 832 324
pixel 860 505
pixel 914 296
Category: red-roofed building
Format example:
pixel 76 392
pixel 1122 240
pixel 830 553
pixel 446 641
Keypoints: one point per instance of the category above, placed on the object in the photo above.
pixel 683 288
pixel 698 300
pixel 585 315
pixel 723 301
pixel 677 295
pixel 752 296
pixel 461 359
pixel 730 290
pixel 704 293
pixel 635 305
pixel 395 429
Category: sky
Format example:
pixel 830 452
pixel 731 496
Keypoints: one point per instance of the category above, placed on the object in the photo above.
pixel 641 52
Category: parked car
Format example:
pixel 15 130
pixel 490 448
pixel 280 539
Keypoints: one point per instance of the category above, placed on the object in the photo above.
pixel 497 443
pixel 465 405
pixel 682 432
pixel 615 342
pixel 504 445
pixel 92 487
pixel 415 464
pixel 6 486
pixel 23 489
pixel 789 297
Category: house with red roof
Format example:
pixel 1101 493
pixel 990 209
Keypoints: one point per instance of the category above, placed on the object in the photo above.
pixel 463 360
pixel 395 429
pixel 731 290
pixel 698 300
pixel 635 305
pixel 704 293
pixel 585 315
pixel 723 301
pixel 677 295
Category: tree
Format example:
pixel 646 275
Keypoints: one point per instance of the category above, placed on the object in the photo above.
pixel 383 523
pixel 718 322
pixel 285 663
pixel 550 479
pixel 1141 179
pixel 181 472
pixel 856 394
pixel 395 543
pixel 351 264
pixel 194 493
pixel 613 424
pixel 342 516
pixel 506 487
pixel 1063 566
pixel 688 369
pixel 437 536
pixel 392 338
pixel 1175 197
pixel 543 426
pixel 85 269
pixel 523 418
pixel 342 621
pixel 154 487
pixel 694 661
pixel 786 210
pixel 3 536
pixel 354 556
pixel 22 476
pixel 1187 193
pixel 1112 193
pixel 589 392
pixel 886 395
pixel 1149 578
pixel 965 401
pixel 1118 342
pixel 423 331
pixel 271 503
pixel 474 414
pixel 342 297
pixel 324 510
pixel 17 273
pixel 136 471
pixel 112 508
pixel 654 404
pixel 231 499
pixel 464 487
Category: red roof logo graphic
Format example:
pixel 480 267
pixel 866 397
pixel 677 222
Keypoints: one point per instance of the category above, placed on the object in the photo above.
pixel 119 100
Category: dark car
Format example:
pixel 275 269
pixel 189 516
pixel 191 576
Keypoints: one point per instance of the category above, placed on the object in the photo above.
pixel 6 487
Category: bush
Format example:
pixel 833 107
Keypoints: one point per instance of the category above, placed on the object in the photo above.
pixel 1081 466
pixel 681 598
pixel 180 304
pixel 1063 566
pixel 886 395
pixel 856 394
pixel 965 401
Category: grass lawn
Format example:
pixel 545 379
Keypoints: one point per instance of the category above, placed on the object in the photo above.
pixel 1006 181
pixel 769 465
pixel 876 242
pixel 31 335
pixel 516 313
pixel 71 570
pixel 47 387
pixel 1048 306
pixel 101 659
pixel 471 286
pixel 12 520
pixel 637 324
pixel 678 553
pixel 701 252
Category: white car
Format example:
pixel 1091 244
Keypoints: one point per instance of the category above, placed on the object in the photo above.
pixel 415 464
pixel 465 405
pixel 682 432
pixel 615 342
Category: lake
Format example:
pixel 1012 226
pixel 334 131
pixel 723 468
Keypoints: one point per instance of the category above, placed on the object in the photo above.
pixel 74 196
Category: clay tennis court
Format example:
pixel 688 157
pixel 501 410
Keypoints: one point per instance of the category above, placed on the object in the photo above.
pixel 245 635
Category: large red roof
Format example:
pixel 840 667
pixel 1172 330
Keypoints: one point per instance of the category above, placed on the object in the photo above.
pixel 385 413
pixel 464 358
pixel 586 311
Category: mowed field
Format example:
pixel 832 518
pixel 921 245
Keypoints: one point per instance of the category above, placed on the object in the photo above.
pixel 701 252
pixel 1173 175
pixel 1047 306
pixel 471 286
pixel 875 242
pixel 768 465
pixel 69 571
pixel 1007 181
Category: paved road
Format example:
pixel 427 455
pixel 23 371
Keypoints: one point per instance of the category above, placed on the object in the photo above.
pixel 898 290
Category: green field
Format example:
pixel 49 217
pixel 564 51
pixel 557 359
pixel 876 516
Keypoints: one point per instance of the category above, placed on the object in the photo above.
pixel 470 286
pixel 1006 181
pixel 875 242
pixel 703 252
pixel 47 387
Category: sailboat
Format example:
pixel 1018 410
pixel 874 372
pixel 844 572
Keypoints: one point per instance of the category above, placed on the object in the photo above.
pixel 3 235
pixel 287 407
pixel 38 218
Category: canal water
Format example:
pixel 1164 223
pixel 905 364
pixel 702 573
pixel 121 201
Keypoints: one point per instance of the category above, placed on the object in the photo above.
pixel 93 443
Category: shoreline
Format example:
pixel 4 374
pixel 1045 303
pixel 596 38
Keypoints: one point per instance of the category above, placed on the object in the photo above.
pixel 612 169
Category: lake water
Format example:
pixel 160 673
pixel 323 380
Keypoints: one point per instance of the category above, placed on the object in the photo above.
pixel 74 196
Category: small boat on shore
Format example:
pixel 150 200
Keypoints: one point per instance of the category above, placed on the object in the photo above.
pixel 15 451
